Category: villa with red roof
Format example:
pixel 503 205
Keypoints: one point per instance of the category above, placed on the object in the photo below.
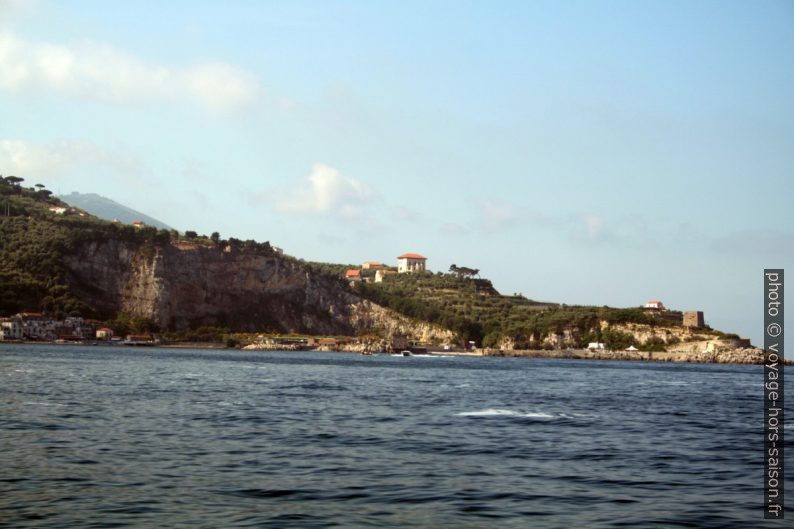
pixel 353 275
pixel 410 262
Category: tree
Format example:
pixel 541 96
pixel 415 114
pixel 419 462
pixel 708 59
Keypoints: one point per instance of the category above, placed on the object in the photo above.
pixel 190 234
pixel 215 237
pixel 464 271
pixel 163 237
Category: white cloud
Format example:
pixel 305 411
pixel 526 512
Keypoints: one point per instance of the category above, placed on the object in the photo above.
pixel 11 7
pixel 453 229
pixel 328 192
pixel 496 215
pixel 593 225
pixel 101 73
pixel 57 161
pixel 403 214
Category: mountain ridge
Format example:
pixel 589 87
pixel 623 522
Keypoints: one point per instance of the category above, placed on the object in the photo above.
pixel 108 209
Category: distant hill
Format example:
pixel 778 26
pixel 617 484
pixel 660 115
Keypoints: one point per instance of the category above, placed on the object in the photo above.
pixel 108 209
pixel 63 262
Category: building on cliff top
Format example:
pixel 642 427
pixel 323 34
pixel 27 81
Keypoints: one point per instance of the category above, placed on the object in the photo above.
pixel 371 265
pixel 410 262
pixel 353 275
pixel 654 305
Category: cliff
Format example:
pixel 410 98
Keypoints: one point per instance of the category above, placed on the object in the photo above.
pixel 678 340
pixel 62 261
pixel 188 285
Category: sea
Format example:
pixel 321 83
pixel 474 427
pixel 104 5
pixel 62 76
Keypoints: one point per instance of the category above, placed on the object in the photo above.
pixel 94 436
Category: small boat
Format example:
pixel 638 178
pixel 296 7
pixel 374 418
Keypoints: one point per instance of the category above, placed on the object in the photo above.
pixel 406 353
pixel 366 353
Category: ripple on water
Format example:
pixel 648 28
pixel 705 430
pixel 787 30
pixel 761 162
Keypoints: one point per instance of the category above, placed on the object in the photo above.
pixel 197 438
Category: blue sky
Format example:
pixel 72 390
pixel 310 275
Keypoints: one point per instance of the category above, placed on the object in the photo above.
pixel 581 152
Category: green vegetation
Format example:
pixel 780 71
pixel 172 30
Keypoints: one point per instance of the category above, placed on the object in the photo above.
pixel 654 344
pixel 125 324
pixel 476 311
pixel 463 271
pixel 330 271
pixel 34 277
pixel 35 240
pixel 31 272
pixel 206 333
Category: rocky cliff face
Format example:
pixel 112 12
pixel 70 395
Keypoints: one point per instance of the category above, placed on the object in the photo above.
pixel 679 339
pixel 192 285
pixel 369 316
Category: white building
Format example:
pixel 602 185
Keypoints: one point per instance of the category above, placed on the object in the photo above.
pixel 10 329
pixel 381 273
pixel 654 305
pixel 410 262
pixel 596 346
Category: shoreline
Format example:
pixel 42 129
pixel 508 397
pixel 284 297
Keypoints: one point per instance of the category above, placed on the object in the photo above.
pixel 752 356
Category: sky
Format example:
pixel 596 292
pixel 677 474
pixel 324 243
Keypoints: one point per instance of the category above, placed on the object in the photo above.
pixel 581 152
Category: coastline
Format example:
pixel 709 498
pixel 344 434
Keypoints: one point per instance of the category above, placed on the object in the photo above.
pixel 752 356
pixel 749 356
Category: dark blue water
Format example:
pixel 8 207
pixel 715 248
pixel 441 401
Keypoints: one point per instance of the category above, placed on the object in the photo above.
pixel 114 437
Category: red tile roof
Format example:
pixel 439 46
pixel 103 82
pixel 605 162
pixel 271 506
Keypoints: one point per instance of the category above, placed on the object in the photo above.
pixel 412 256
pixel 353 273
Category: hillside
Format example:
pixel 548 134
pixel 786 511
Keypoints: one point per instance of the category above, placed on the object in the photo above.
pixel 476 311
pixel 108 209
pixel 65 261
pixel 32 274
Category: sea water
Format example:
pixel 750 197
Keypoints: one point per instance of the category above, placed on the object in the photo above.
pixel 145 437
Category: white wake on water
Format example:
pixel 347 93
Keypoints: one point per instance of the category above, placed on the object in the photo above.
pixel 497 412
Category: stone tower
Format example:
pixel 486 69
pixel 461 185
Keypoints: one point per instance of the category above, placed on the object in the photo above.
pixel 693 318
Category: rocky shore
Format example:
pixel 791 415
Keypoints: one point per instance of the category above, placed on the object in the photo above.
pixel 733 356
pixel 750 355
